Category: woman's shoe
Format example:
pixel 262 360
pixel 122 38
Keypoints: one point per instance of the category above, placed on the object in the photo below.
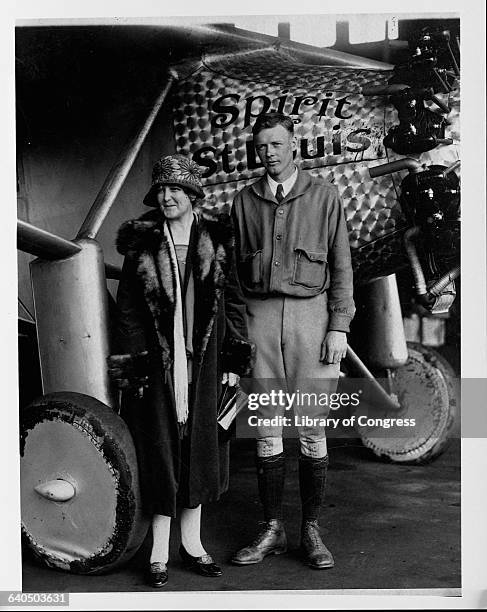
pixel 157 575
pixel 203 565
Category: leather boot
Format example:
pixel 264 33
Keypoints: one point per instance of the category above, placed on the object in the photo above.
pixel 312 481
pixel 271 540
pixel 316 553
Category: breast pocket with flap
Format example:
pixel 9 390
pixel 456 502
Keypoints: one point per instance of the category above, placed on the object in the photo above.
pixel 310 268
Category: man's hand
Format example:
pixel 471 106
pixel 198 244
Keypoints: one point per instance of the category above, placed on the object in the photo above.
pixel 334 347
pixel 230 378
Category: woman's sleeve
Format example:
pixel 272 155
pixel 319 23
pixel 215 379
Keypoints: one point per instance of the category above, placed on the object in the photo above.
pixel 238 350
pixel 128 368
pixel 130 308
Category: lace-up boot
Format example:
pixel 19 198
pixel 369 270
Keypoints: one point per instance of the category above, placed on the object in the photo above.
pixel 316 553
pixel 271 540
pixel 312 482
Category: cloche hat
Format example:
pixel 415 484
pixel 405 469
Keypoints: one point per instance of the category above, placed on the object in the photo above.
pixel 174 170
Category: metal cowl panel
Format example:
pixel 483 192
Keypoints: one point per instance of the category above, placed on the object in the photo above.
pixel 70 299
pixel 339 129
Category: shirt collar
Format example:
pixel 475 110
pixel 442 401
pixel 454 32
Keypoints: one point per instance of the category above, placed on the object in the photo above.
pixel 287 185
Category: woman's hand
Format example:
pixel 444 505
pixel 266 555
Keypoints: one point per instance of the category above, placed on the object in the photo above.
pixel 230 378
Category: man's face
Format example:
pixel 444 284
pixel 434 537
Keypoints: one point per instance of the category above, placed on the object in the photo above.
pixel 275 147
pixel 174 202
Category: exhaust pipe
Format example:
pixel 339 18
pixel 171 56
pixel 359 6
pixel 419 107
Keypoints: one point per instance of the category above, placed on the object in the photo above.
pixel 407 163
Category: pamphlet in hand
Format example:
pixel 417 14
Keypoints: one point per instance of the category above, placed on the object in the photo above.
pixel 232 401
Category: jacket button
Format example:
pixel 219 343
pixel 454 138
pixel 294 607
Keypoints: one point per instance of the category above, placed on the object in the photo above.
pixel 278 237
pixel 280 211
pixel 276 263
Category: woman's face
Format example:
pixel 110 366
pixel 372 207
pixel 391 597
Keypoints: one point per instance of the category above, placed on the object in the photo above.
pixel 174 202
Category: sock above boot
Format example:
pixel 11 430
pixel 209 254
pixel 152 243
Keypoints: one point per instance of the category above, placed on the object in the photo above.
pixel 312 483
pixel 270 478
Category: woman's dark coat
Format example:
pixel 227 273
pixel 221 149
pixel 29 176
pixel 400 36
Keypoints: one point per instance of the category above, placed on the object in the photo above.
pixel 146 299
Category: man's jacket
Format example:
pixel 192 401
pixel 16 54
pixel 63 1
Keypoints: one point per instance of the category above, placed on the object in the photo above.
pixel 298 247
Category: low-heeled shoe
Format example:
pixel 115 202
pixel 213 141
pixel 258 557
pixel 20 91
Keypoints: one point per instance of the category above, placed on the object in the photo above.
pixel 157 575
pixel 203 565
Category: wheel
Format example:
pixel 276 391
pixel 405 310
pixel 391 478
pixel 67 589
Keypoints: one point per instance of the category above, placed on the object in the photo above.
pixel 453 383
pixel 80 503
pixel 426 390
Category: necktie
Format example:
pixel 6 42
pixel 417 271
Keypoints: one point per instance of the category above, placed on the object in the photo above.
pixel 279 193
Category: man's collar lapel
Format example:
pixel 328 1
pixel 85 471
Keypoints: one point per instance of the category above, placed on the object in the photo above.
pixel 262 189
pixel 301 185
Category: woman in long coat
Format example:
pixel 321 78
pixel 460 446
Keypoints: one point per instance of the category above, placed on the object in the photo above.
pixel 183 332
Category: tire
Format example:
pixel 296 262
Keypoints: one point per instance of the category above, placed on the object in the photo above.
pixel 427 392
pixel 77 439
pixel 453 383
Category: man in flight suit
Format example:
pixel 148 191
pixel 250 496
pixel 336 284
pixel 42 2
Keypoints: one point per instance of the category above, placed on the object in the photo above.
pixel 294 263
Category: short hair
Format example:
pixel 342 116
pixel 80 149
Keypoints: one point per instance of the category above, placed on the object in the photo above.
pixel 270 120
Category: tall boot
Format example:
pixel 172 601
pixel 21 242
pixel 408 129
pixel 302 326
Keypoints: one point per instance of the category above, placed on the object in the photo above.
pixel 312 482
pixel 272 537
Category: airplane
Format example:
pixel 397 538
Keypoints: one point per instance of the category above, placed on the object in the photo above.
pixel 386 135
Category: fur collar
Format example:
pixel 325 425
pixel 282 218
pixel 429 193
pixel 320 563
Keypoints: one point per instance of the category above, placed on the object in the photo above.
pixel 144 233
pixel 143 241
